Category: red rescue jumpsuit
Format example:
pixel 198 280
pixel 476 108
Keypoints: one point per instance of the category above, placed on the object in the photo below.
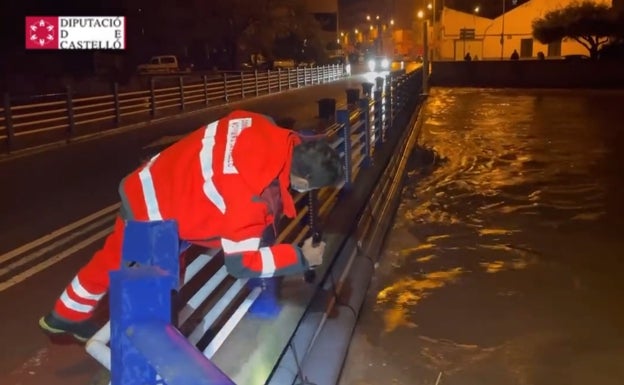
pixel 212 183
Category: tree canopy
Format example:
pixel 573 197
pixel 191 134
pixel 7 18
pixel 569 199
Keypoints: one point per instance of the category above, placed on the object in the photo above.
pixel 591 24
pixel 235 26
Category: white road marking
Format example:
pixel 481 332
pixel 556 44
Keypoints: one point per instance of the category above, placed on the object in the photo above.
pixel 56 233
pixel 33 256
pixel 55 259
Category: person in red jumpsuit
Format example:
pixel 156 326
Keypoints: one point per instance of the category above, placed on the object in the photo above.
pixel 224 185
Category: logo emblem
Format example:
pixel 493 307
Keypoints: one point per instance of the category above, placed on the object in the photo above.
pixel 41 32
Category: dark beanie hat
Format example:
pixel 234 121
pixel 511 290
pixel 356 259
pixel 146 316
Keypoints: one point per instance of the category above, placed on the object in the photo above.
pixel 318 162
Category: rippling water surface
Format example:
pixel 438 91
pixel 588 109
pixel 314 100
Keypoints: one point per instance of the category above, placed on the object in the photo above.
pixel 506 261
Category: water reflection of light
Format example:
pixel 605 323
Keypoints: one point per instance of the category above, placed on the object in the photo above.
pixel 407 292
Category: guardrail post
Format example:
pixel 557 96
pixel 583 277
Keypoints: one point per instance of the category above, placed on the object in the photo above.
pixel 289 80
pixel 181 85
pixel 269 81
pixel 256 81
pixel 8 121
pixel 342 117
pixel 206 100
pixel 364 105
pixel 279 80
pixel 388 110
pixel 226 97
pixel 318 75
pixel 152 97
pixel 116 104
pixel 140 294
pixel 305 76
pixel 71 124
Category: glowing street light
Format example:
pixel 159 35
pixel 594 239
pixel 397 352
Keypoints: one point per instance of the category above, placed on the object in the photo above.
pixel 420 14
pixel 476 10
pixel 368 17
pixel 391 21
pixel 377 17
pixel 356 31
pixel 371 27
pixel 429 6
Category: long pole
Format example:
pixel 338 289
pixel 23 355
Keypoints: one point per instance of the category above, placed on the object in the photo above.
pixel 434 38
pixel 425 67
pixel 502 39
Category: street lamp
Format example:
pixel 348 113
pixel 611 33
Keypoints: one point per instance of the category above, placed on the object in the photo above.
pixel 429 6
pixel 476 10
pixel 367 17
pixel 420 14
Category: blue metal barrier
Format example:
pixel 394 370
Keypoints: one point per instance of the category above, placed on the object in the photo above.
pixel 145 347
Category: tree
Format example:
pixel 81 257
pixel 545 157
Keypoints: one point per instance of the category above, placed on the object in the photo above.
pixel 591 24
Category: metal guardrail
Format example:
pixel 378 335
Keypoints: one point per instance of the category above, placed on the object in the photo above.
pixel 208 294
pixel 62 117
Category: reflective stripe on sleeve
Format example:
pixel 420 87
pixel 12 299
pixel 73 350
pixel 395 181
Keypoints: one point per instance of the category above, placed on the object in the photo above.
pixel 268 261
pixel 149 193
pixel 231 247
pixel 205 158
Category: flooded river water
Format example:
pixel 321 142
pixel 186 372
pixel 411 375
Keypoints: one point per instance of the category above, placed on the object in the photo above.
pixel 505 264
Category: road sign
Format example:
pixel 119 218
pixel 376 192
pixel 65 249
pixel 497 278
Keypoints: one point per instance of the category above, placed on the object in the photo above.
pixel 467 33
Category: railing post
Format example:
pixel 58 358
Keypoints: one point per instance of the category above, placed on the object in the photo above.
pixel 388 110
pixel 8 121
pixel 242 78
pixel 380 136
pixel 342 117
pixel 305 76
pixel 71 124
pixel 289 79
pixel 140 294
pixel 226 98
pixel 256 80
pixel 206 99
pixel 181 85
pixel 279 80
pixel 269 81
pixel 152 98
pixel 116 104
pixel 364 105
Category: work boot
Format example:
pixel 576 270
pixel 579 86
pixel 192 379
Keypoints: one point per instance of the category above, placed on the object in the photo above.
pixel 55 325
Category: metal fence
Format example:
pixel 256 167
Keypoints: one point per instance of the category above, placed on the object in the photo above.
pixel 44 119
pixel 206 292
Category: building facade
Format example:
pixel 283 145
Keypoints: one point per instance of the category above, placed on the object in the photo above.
pixel 459 33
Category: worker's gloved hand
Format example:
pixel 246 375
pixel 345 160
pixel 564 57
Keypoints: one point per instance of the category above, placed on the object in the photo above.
pixel 313 253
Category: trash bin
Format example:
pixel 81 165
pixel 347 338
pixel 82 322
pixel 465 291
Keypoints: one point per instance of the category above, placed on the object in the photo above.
pixel 379 82
pixel 327 108
pixel 353 95
pixel 367 88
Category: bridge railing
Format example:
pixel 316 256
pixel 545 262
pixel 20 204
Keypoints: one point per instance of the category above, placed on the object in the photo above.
pixel 27 122
pixel 209 303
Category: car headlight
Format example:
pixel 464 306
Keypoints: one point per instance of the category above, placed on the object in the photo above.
pixel 371 65
pixel 385 64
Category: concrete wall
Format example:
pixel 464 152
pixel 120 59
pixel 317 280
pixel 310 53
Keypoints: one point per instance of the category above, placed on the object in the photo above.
pixel 529 73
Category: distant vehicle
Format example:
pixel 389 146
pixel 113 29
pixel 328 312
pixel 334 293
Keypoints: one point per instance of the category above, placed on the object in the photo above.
pixel 163 64
pixel 284 63
pixel 379 63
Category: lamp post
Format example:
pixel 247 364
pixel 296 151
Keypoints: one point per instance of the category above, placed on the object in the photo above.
pixel 379 22
pixel 502 38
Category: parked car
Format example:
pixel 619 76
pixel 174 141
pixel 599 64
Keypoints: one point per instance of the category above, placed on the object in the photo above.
pixel 163 64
